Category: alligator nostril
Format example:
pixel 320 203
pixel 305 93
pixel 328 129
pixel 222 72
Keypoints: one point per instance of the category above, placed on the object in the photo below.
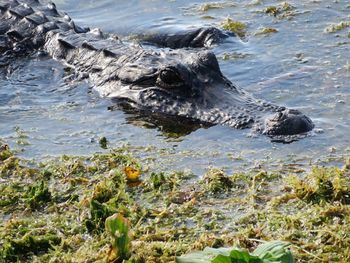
pixel 279 115
pixel 288 122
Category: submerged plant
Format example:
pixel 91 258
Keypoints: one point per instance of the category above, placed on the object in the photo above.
pixel 119 229
pixel 38 195
pixel 322 184
pixel 236 27
pixel 103 142
pixel 279 10
pixel 216 181
pixel 13 249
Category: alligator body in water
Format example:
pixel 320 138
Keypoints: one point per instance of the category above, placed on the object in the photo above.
pixel 184 83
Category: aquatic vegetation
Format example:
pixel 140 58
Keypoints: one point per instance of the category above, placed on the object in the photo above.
pixel 103 142
pixel 85 209
pixel 212 5
pixel 209 6
pixel 274 251
pixel 37 195
pixel 15 248
pixel 322 184
pixel 236 27
pixel 215 181
pixel 284 10
pixel 22 137
pixel 234 55
pixel 337 27
pixel 265 31
pixel 5 152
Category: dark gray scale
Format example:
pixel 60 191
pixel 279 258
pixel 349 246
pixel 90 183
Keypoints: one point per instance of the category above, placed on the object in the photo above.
pixel 21 10
pixel 38 18
pixel 118 50
pixel 97 42
pixel 25 28
pixel 4 26
pixel 49 10
pixel 70 40
pixel 64 26
pixel 5 4
pixel 44 28
pixel 88 46
pixel 78 29
pixel 32 3
pixel 5 44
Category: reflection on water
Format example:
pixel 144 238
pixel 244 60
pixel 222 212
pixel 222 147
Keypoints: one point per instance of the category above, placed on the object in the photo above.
pixel 300 66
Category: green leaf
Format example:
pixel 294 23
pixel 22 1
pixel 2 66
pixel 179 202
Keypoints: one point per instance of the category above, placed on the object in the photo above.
pixel 222 259
pixel 118 227
pixel 274 251
pixel 241 256
pixel 219 255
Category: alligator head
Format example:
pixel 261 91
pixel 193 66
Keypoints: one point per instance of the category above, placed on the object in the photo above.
pixel 182 83
pixel 191 85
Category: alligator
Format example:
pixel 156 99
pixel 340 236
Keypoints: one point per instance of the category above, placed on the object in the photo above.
pixel 170 81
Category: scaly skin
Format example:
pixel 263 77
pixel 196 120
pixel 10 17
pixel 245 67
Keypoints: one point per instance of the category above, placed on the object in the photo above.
pixel 176 82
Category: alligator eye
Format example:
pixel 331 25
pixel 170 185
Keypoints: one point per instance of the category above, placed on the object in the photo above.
pixel 170 76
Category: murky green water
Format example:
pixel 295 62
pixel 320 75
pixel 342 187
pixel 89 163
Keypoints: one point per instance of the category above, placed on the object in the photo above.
pixel 301 66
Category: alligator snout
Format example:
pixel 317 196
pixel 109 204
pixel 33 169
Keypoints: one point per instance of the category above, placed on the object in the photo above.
pixel 288 122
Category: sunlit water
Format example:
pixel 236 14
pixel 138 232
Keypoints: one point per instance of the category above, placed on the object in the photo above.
pixel 42 113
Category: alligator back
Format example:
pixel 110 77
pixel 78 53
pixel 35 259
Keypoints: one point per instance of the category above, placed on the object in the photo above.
pixel 25 24
pixel 31 25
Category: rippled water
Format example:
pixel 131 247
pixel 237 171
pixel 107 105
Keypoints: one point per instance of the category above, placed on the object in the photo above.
pixel 301 66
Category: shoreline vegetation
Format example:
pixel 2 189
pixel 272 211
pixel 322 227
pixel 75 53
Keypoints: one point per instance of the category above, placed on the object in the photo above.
pixel 106 208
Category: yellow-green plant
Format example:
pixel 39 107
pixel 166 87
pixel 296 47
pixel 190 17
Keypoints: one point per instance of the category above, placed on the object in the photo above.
pixel 119 229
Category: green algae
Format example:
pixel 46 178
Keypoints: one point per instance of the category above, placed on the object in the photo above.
pixel 236 27
pixel 215 181
pixel 103 142
pixel 209 6
pixel 214 5
pixel 265 31
pixel 37 194
pixel 284 10
pixel 322 185
pixel 234 56
pixel 22 137
pixel 333 28
pixel 13 249
pixel 169 213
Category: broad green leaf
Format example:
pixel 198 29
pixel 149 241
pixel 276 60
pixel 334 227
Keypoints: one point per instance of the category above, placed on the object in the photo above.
pixel 274 251
pixel 225 251
pixel 118 227
pixel 222 259
pixel 241 256
pixel 195 257
pixel 269 252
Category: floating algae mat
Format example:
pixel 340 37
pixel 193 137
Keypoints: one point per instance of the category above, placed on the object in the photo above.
pixel 107 207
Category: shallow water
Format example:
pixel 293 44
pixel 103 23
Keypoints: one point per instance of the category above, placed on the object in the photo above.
pixel 42 113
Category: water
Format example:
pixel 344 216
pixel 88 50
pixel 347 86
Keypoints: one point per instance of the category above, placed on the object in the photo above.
pixel 43 114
